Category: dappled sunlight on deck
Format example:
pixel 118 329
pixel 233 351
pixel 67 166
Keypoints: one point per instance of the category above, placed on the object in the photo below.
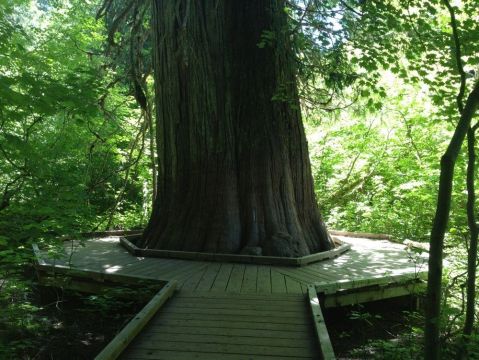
pixel 366 259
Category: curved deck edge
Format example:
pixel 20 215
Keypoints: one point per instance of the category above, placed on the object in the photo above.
pixel 248 259
pixel 361 235
pixel 373 288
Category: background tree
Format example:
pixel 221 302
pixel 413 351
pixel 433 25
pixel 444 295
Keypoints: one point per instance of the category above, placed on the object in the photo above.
pixel 66 130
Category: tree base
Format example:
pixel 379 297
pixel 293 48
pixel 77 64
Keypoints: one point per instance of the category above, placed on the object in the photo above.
pixel 130 243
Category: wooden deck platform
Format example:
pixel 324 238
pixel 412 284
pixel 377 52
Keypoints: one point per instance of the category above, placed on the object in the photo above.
pixel 241 311
pixel 366 259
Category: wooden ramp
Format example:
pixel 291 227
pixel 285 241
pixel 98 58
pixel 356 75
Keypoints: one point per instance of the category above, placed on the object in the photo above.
pixel 207 325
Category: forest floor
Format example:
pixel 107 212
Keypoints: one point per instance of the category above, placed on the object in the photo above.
pixel 376 330
pixel 82 325
pixel 67 325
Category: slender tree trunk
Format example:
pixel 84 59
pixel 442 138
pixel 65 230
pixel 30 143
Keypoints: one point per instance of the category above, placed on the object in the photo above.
pixel 234 172
pixel 441 218
pixel 471 220
pixel 471 195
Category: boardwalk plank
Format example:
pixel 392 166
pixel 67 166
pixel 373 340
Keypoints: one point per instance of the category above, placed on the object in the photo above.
pixel 330 269
pixel 240 318
pixel 293 286
pixel 151 269
pixel 278 282
pixel 243 339
pixel 191 329
pixel 264 280
pixel 175 309
pixel 144 264
pixel 298 275
pixel 186 268
pixel 143 354
pixel 209 277
pixel 196 348
pixel 317 274
pixel 236 278
pixel 298 298
pixel 226 324
pixel 250 279
pixel 114 267
pixel 192 282
pixel 239 304
pixel 223 277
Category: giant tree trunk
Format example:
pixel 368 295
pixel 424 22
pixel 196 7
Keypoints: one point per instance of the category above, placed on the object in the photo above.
pixel 234 171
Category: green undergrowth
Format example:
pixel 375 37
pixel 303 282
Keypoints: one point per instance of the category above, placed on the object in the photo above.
pixel 392 330
pixel 48 323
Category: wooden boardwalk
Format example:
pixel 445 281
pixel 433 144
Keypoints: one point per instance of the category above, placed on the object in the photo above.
pixel 243 311
pixel 216 326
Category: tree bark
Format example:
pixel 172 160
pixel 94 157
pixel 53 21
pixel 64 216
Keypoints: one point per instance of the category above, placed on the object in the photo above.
pixel 151 143
pixel 441 218
pixel 471 220
pixel 433 310
pixel 234 171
